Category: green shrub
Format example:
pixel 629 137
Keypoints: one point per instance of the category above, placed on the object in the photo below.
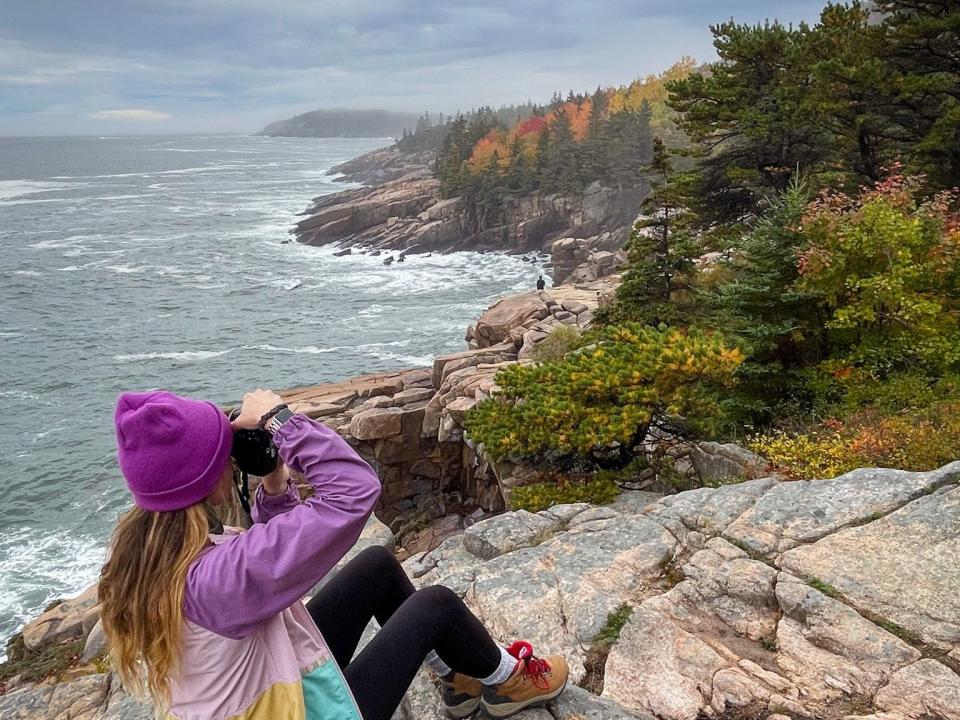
pixel 887 265
pixel 607 394
pixel 47 662
pixel 541 496
pixel 557 344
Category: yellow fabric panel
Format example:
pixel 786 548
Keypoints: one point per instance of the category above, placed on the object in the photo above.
pixel 283 701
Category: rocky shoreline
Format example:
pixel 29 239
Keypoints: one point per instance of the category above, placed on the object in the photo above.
pixel 755 599
pixel 400 210
pixel 764 598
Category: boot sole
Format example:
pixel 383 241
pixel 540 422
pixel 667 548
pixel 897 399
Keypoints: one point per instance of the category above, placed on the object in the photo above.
pixel 463 710
pixel 505 710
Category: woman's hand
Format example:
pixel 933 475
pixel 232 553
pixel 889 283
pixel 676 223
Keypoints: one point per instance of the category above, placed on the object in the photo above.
pixel 255 404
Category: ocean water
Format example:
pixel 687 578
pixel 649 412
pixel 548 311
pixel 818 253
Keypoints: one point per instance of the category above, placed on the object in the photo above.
pixel 164 262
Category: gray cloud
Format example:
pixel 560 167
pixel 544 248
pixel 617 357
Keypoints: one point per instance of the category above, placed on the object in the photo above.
pixel 233 65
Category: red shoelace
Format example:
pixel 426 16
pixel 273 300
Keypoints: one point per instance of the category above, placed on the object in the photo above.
pixel 535 669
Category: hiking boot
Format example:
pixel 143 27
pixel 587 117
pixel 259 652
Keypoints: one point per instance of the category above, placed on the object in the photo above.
pixel 533 683
pixel 461 696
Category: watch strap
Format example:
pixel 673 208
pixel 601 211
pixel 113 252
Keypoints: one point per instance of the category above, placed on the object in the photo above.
pixel 279 418
pixel 262 422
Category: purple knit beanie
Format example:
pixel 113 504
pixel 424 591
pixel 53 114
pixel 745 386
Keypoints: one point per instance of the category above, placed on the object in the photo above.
pixel 172 450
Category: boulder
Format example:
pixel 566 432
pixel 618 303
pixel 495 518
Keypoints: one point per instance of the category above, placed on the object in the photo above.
pixel 494 537
pixel 96 644
pixel 62 622
pixel 412 395
pixel 494 325
pixel 573 306
pixel 376 423
pixel 713 461
pixel 79 699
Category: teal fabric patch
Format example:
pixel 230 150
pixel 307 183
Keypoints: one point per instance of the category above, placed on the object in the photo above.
pixel 326 695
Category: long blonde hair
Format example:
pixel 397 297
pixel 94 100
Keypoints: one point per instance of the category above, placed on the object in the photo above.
pixel 141 592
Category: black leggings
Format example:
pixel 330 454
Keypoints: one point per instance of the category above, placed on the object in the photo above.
pixel 373 585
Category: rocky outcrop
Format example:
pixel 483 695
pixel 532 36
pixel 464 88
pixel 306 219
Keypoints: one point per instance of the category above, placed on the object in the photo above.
pixel 718 628
pixel 579 260
pixel 816 625
pixel 384 165
pixel 407 215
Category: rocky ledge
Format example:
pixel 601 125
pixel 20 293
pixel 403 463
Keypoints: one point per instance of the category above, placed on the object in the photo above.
pixel 402 212
pixel 383 165
pixel 835 598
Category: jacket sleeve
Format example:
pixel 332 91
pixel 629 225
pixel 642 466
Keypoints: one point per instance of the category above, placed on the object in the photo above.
pixel 234 586
pixel 266 506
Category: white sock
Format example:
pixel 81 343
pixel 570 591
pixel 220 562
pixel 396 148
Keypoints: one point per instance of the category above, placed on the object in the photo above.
pixel 438 666
pixel 508 663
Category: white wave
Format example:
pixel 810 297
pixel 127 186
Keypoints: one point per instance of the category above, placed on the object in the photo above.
pixel 392 343
pixel 28 273
pixel 67 242
pixel 10 189
pixel 405 360
pixel 185 356
pixel 19 394
pixel 153 173
pixel 38 566
pixel 206 150
pixel 309 349
pixel 126 269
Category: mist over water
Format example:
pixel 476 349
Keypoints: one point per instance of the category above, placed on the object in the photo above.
pixel 160 262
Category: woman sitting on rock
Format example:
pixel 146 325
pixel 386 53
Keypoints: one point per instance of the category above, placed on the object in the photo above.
pixel 213 616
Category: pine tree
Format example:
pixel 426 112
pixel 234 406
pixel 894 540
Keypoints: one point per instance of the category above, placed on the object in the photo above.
pixel 660 252
pixel 449 166
pixel 782 326
pixel 748 119
pixel 849 92
pixel 560 170
pixel 922 52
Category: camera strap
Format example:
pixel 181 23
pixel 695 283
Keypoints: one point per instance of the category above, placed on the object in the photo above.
pixel 241 480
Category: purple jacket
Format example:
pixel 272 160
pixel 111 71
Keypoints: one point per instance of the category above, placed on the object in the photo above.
pixel 250 648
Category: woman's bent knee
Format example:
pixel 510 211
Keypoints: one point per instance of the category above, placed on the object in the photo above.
pixel 377 556
pixel 438 598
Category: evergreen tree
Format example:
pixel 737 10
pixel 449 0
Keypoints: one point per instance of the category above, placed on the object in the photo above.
pixel 449 166
pixel 593 155
pixel 782 326
pixel 748 118
pixel 849 93
pixel 922 52
pixel 560 172
pixel 660 253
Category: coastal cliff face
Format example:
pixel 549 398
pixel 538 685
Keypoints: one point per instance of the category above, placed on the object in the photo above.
pixel 404 213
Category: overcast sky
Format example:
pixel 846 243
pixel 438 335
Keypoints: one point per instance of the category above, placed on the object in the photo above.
pixel 159 66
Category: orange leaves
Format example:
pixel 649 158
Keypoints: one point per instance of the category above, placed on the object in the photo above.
pixel 493 144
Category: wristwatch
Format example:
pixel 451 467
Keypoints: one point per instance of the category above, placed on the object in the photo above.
pixel 277 419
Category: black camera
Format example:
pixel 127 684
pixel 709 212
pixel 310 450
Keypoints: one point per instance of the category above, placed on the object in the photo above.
pixel 253 450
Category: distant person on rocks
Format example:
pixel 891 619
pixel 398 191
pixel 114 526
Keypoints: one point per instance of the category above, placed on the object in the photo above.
pixel 541 283
pixel 212 616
